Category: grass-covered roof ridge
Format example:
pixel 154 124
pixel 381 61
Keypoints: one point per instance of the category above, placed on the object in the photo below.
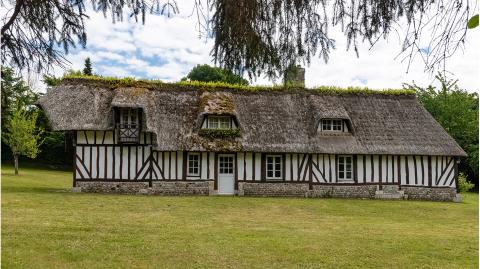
pixel 115 82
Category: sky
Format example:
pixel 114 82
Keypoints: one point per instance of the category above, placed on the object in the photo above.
pixel 167 48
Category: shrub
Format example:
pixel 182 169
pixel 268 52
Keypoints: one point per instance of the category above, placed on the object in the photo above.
pixel 463 184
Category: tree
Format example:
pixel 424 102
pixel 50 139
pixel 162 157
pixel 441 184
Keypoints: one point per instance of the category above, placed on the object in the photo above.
pixel 87 69
pixel 15 94
pixel 256 36
pixel 457 111
pixel 208 73
pixel 22 136
pixel 294 76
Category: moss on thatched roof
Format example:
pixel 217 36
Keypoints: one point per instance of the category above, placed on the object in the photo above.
pixel 113 83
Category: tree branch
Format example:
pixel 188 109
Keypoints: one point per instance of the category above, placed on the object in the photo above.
pixel 16 11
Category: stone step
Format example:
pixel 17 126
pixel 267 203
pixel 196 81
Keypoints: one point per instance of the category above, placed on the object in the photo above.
pixel 458 198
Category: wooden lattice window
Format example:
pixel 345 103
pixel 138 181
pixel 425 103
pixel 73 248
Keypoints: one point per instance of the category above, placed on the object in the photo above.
pixel 219 122
pixel 274 167
pixel 344 168
pixel 332 125
pixel 193 164
pixel 129 127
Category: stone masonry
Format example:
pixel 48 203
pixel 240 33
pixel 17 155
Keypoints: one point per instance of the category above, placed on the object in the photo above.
pixel 335 191
pixel 111 187
pixel 273 189
pixel 281 189
pixel 180 188
pixel 432 194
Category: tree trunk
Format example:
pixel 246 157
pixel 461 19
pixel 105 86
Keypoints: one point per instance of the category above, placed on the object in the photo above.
pixel 15 156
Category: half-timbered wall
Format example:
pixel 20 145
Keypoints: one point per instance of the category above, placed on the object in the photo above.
pixel 99 157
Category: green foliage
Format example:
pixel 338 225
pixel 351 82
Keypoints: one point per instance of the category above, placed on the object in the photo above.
pixel 87 69
pixel 219 133
pixel 21 133
pixel 463 184
pixel 15 94
pixel 55 149
pixel 472 22
pixel 208 73
pixel 291 76
pixel 114 82
pixel 53 81
pixel 457 111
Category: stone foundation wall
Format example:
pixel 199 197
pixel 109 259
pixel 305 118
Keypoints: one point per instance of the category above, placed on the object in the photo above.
pixel 158 188
pixel 361 191
pixel 111 187
pixel 432 194
pixel 273 189
pixel 267 189
pixel 181 188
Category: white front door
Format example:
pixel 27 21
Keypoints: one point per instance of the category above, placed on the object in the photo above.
pixel 226 180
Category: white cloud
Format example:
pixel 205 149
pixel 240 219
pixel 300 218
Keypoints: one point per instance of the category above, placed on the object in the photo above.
pixel 115 71
pixel 167 48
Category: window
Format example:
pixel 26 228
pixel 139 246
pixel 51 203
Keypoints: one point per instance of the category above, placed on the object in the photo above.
pixel 225 164
pixel 129 118
pixel 332 125
pixel 274 167
pixel 344 168
pixel 219 122
pixel 193 164
pixel 129 128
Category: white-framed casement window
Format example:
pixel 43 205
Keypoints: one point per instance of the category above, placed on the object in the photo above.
pixel 193 161
pixel 332 125
pixel 219 122
pixel 129 118
pixel 225 164
pixel 344 168
pixel 274 167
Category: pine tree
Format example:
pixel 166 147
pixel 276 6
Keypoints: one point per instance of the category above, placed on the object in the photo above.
pixel 87 70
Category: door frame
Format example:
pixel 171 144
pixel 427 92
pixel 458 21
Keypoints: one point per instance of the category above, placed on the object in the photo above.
pixel 217 167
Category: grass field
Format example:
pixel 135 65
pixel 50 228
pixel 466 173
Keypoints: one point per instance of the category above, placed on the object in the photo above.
pixel 44 225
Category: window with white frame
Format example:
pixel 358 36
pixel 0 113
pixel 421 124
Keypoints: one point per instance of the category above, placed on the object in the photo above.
pixel 225 164
pixel 274 167
pixel 128 127
pixel 219 122
pixel 344 168
pixel 332 125
pixel 129 118
pixel 193 164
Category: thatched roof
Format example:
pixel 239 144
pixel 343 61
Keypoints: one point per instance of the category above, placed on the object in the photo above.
pixel 270 120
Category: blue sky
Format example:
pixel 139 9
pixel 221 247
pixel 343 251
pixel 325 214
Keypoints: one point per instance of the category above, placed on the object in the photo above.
pixel 167 48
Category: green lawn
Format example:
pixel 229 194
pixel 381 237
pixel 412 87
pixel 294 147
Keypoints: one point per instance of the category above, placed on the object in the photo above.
pixel 44 225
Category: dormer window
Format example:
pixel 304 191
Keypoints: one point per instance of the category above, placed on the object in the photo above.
pixel 129 125
pixel 219 127
pixel 219 122
pixel 335 125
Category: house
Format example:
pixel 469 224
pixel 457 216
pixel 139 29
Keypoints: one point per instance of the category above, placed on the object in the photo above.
pixel 182 139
